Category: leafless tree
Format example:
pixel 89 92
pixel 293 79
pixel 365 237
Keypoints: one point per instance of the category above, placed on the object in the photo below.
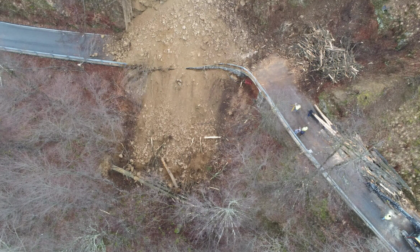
pixel 55 127
pixel 211 221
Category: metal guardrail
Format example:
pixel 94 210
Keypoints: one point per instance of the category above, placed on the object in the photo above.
pixel 64 57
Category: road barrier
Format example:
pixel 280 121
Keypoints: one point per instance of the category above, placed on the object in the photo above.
pixel 63 57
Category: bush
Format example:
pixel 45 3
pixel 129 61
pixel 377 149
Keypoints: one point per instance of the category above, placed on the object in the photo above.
pixel 210 222
pixel 91 241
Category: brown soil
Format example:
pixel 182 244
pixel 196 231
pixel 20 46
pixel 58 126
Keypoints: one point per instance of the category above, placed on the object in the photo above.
pixel 180 107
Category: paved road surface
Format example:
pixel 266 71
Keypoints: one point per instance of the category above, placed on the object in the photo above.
pixel 273 74
pixel 87 45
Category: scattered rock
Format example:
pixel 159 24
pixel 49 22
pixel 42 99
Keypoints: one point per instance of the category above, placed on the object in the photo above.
pixel 126 43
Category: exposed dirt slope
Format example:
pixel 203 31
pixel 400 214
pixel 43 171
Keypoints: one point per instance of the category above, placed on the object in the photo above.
pixel 180 107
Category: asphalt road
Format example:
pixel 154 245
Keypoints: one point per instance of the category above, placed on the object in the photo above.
pixel 273 74
pixel 86 45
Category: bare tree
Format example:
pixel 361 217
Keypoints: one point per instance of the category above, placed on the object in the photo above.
pixel 91 240
pixel 211 222
pixel 55 127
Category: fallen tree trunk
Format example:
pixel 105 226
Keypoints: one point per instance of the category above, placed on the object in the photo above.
pixel 138 179
pixel 148 184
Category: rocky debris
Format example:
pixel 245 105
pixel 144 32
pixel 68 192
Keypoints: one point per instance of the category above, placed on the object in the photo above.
pixel 187 24
pixel 179 34
pixel 177 144
pixel 119 48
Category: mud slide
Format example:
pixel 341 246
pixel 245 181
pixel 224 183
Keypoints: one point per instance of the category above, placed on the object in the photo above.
pixel 179 107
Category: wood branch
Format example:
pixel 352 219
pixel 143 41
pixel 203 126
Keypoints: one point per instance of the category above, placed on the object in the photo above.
pixel 212 137
pixel 326 126
pixel 125 173
pixel 201 148
pixel 389 191
pixel 169 172
pixel 104 211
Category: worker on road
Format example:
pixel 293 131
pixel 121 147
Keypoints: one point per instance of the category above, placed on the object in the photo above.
pixel 301 131
pixel 387 217
pixel 304 129
pixel 311 113
pixel 296 107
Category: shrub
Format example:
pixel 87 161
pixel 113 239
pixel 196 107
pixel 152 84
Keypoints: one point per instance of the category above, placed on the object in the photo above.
pixel 211 222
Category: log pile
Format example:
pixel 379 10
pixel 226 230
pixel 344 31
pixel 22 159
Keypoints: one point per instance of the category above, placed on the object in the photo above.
pixel 373 166
pixel 375 169
pixel 333 62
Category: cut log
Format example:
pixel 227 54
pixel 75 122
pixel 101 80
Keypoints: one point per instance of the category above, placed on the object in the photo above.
pixel 323 116
pixel 327 127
